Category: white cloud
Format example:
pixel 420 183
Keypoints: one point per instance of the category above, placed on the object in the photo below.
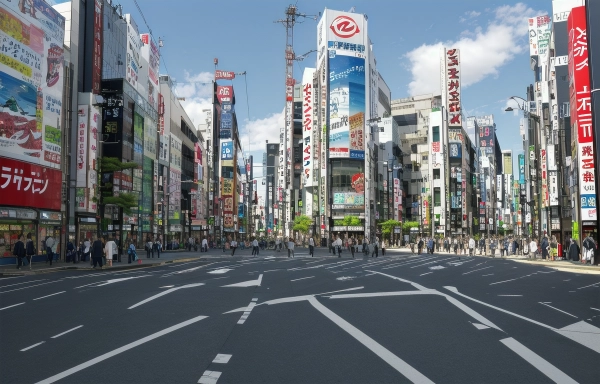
pixel 260 130
pixel 483 52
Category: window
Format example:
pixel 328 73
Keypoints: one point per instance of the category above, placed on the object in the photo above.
pixel 436 174
pixel 436 134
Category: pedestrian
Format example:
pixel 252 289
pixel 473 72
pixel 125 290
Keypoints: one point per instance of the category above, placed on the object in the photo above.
pixel 382 247
pixel 420 246
pixel 375 247
pixel 149 247
pixel 589 249
pixel 255 247
pixel 471 246
pixel 290 246
pixel 19 250
pixel 573 252
pixel 352 246
pixel 311 247
pixel 97 252
pixel 545 247
pixel 71 253
pixel 233 246
pixel 131 252
pixel 455 243
pixel 30 250
pixel 158 246
pixel 87 250
pixel 110 250
pixel 553 248
pixel 204 247
pixel 338 246
pixel 49 248
pixel 532 248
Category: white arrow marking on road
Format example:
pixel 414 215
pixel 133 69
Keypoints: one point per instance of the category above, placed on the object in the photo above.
pixel 418 286
pixel 249 283
pixel 436 267
pixel 386 355
pixel 538 362
pixel 559 310
pixel 112 281
pixel 117 351
pixel 219 271
pixel 209 377
pixel 480 326
pixel 165 293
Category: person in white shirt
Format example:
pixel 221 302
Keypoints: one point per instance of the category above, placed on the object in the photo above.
pixel 255 247
pixel 532 248
pixel 204 245
pixel 471 246
pixel 311 247
pixel 110 249
pixel 233 246
pixel 291 247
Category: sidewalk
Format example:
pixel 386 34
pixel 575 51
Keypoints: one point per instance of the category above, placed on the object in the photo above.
pixel 166 257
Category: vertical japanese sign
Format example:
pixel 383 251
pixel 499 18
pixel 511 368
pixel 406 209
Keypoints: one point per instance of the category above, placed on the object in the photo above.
pixel 581 111
pixel 97 54
pixel 82 145
pixel 453 83
pixel 134 46
pixel 307 126
pixel 544 178
pixel 31 85
pixel 521 169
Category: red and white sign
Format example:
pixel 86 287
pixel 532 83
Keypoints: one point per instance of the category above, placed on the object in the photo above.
pixel 344 27
pixel 453 81
pixel 581 111
pixel 225 94
pixel 97 54
pixel 226 75
pixel 29 185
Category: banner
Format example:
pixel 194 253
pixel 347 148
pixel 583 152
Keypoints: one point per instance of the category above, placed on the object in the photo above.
pixel 82 145
pixel 227 150
pixel 453 86
pixel 307 126
pixel 521 169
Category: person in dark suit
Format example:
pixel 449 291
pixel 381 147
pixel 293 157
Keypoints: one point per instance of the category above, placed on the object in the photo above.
pixel 97 253
pixel 19 250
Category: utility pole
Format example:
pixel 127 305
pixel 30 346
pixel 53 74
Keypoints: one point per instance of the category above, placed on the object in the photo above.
pixel 287 132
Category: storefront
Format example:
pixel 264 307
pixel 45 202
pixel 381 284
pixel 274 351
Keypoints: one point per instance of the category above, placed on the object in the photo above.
pixel 50 225
pixel 174 239
pixel 87 229
pixel 13 223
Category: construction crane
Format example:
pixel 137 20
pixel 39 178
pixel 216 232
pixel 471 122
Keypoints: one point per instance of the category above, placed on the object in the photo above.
pixel 286 135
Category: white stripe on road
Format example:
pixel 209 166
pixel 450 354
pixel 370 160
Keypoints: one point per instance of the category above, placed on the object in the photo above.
pixel 511 295
pixel 25 282
pixel 426 273
pixel 31 286
pixel 418 286
pixel 165 293
pixel 479 269
pixel 303 278
pixel 209 377
pixel 489 274
pixel 595 309
pixel 117 351
pixel 431 262
pixel 57 293
pixel 559 310
pixel 246 313
pixel 221 358
pixel 386 355
pixel 87 285
pixel 537 361
pixel 14 305
pixel 65 332
pixel 591 285
pixel 32 346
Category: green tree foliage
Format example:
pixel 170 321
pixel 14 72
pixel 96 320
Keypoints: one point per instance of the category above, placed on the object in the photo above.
pixel 388 226
pixel 407 225
pixel 347 221
pixel 302 223
pixel 125 200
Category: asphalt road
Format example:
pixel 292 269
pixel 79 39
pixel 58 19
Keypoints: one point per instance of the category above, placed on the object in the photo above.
pixel 273 319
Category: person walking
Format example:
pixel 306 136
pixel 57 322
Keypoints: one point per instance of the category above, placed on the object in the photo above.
pixel 255 247
pixel 589 249
pixel 311 247
pixel 553 248
pixel 97 252
pixel 204 247
pixel 110 250
pixel 233 246
pixel 545 247
pixel 49 247
pixel 352 246
pixel 149 247
pixel 382 247
pixel 532 248
pixel 19 250
pixel 291 247
pixel 375 252
pixel 471 246
pixel 573 252
pixel 158 247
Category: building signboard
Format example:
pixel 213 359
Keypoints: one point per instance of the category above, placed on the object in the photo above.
pixel 453 86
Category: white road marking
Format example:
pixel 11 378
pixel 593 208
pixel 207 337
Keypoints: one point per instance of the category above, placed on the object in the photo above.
pixel 87 285
pixel 209 377
pixel 583 333
pixel 418 286
pixel 165 293
pixel 316 261
pixel 246 313
pixel 479 269
pixel 368 274
pixel 489 274
pixel 436 267
pixel 591 285
pixel 190 269
pixel 119 350
pixel 559 310
pixel 478 264
pixel 273 270
pixel 516 278
pixel 426 273
pixel 32 346
pixel 57 293
pixel 14 305
pixel 412 261
pixel 25 282
pixel 65 332
pixel 511 295
pixel 303 278
pixel 595 309
pixel 221 358
pixel 341 264
pixel 113 281
pixel 431 262
pixel 167 286
pixel 342 278
pixel 241 309
pixel 255 299
pixel 386 355
pixel 480 326
pixel 537 361
pixel 219 271
pixel 31 286
pixel 249 283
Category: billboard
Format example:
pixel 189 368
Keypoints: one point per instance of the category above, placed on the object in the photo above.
pixel 134 46
pixel 31 83
pixel 227 150
pixel 225 94
pixel 224 75
pixel 151 53
pixel 581 111
pixel 521 169
pixel 97 54
pixel 540 28
pixel 308 146
pixel 452 86
pixel 486 139
pixel 346 103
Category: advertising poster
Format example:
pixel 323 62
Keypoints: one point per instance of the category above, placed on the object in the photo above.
pixel 134 46
pixel 521 169
pixel 152 55
pixel 486 139
pixel 226 124
pixel 346 103
pixel 82 145
pixel 307 127
pixel 227 150
pixel 147 193
pixel 93 139
pixel 138 137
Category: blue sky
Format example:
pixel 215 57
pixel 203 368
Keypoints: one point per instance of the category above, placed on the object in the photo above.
pixel 406 35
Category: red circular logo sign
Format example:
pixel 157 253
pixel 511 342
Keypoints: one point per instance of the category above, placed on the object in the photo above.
pixel 344 27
